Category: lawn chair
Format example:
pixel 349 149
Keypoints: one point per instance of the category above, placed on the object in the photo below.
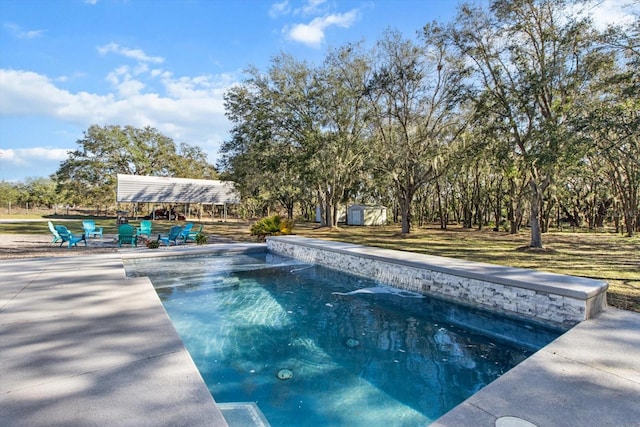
pixel 174 234
pixel 56 236
pixel 68 237
pixel 91 229
pixel 192 234
pixel 185 232
pixel 127 235
pixel 145 228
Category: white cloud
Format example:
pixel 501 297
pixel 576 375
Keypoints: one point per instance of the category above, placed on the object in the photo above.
pixel 15 162
pixel 26 155
pixel 608 12
pixel 141 68
pixel 114 77
pixel 91 2
pixel 311 7
pixel 20 33
pixel 122 80
pixel 187 109
pixel 137 54
pixel 279 9
pixel 312 34
pixel 129 88
pixel 26 92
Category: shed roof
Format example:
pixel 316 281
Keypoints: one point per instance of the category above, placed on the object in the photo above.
pixel 360 206
pixel 156 189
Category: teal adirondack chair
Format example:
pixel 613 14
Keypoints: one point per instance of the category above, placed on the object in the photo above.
pixel 185 232
pixel 90 229
pixel 56 236
pixel 145 228
pixel 174 234
pixel 191 235
pixel 68 237
pixel 127 235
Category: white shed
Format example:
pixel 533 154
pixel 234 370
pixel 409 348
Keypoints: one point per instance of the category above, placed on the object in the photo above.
pixel 366 215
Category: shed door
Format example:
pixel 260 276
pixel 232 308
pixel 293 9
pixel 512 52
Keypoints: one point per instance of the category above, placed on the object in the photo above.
pixel 356 217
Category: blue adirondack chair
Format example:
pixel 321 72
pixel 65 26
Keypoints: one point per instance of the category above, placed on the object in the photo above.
pixel 173 236
pixel 90 229
pixel 127 235
pixel 68 237
pixel 56 236
pixel 184 234
pixel 145 228
pixel 191 235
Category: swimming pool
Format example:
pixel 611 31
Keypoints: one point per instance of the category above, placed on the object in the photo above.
pixel 313 346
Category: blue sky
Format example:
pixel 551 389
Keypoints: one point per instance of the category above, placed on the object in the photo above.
pixel 68 64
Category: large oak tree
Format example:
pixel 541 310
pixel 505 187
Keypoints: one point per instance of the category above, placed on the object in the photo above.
pixel 89 175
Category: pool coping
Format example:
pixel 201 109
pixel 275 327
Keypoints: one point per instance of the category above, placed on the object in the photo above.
pixel 546 297
pixel 576 287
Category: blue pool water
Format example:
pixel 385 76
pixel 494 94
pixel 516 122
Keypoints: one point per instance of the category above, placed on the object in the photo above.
pixel 316 347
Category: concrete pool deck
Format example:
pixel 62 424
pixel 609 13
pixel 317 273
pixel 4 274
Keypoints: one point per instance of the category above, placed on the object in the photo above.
pixel 82 345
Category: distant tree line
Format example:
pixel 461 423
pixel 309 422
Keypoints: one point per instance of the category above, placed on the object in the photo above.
pixel 523 113
pixel 30 194
pixel 88 177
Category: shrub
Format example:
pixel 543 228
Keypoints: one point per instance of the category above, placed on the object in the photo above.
pixel 201 238
pixel 271 226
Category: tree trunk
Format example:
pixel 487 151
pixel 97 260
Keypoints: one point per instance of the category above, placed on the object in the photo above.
pixel 328 213
pixel 547 212
pixel 537 192
pixel 477 203
pixel 405 208
pixel 467 221
pixel 629 218
pixel 443 220
pixel 536 235
pixel 335 216
pixel 511 211
pixel 498 206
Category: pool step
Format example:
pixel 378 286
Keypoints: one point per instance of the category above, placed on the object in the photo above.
pixel 243 414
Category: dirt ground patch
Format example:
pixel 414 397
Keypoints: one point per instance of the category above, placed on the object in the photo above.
pixel 35 246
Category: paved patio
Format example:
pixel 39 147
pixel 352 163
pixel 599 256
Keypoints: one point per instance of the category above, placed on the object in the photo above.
pixel 82 345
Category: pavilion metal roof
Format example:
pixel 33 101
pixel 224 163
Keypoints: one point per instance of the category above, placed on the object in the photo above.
pixel 155 189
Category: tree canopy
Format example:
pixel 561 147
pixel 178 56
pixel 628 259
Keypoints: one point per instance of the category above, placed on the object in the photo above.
pixel 89 175
pixel 498 112
pixel 520 113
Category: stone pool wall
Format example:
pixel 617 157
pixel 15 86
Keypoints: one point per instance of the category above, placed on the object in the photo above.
pixel 546 297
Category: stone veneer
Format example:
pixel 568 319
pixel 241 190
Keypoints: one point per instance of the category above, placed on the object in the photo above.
pixel 546 297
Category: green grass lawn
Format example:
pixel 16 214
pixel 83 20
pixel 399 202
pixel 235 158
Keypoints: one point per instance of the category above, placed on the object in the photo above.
pixel 605 256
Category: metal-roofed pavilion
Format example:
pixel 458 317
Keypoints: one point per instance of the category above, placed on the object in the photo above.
pixel 156 189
